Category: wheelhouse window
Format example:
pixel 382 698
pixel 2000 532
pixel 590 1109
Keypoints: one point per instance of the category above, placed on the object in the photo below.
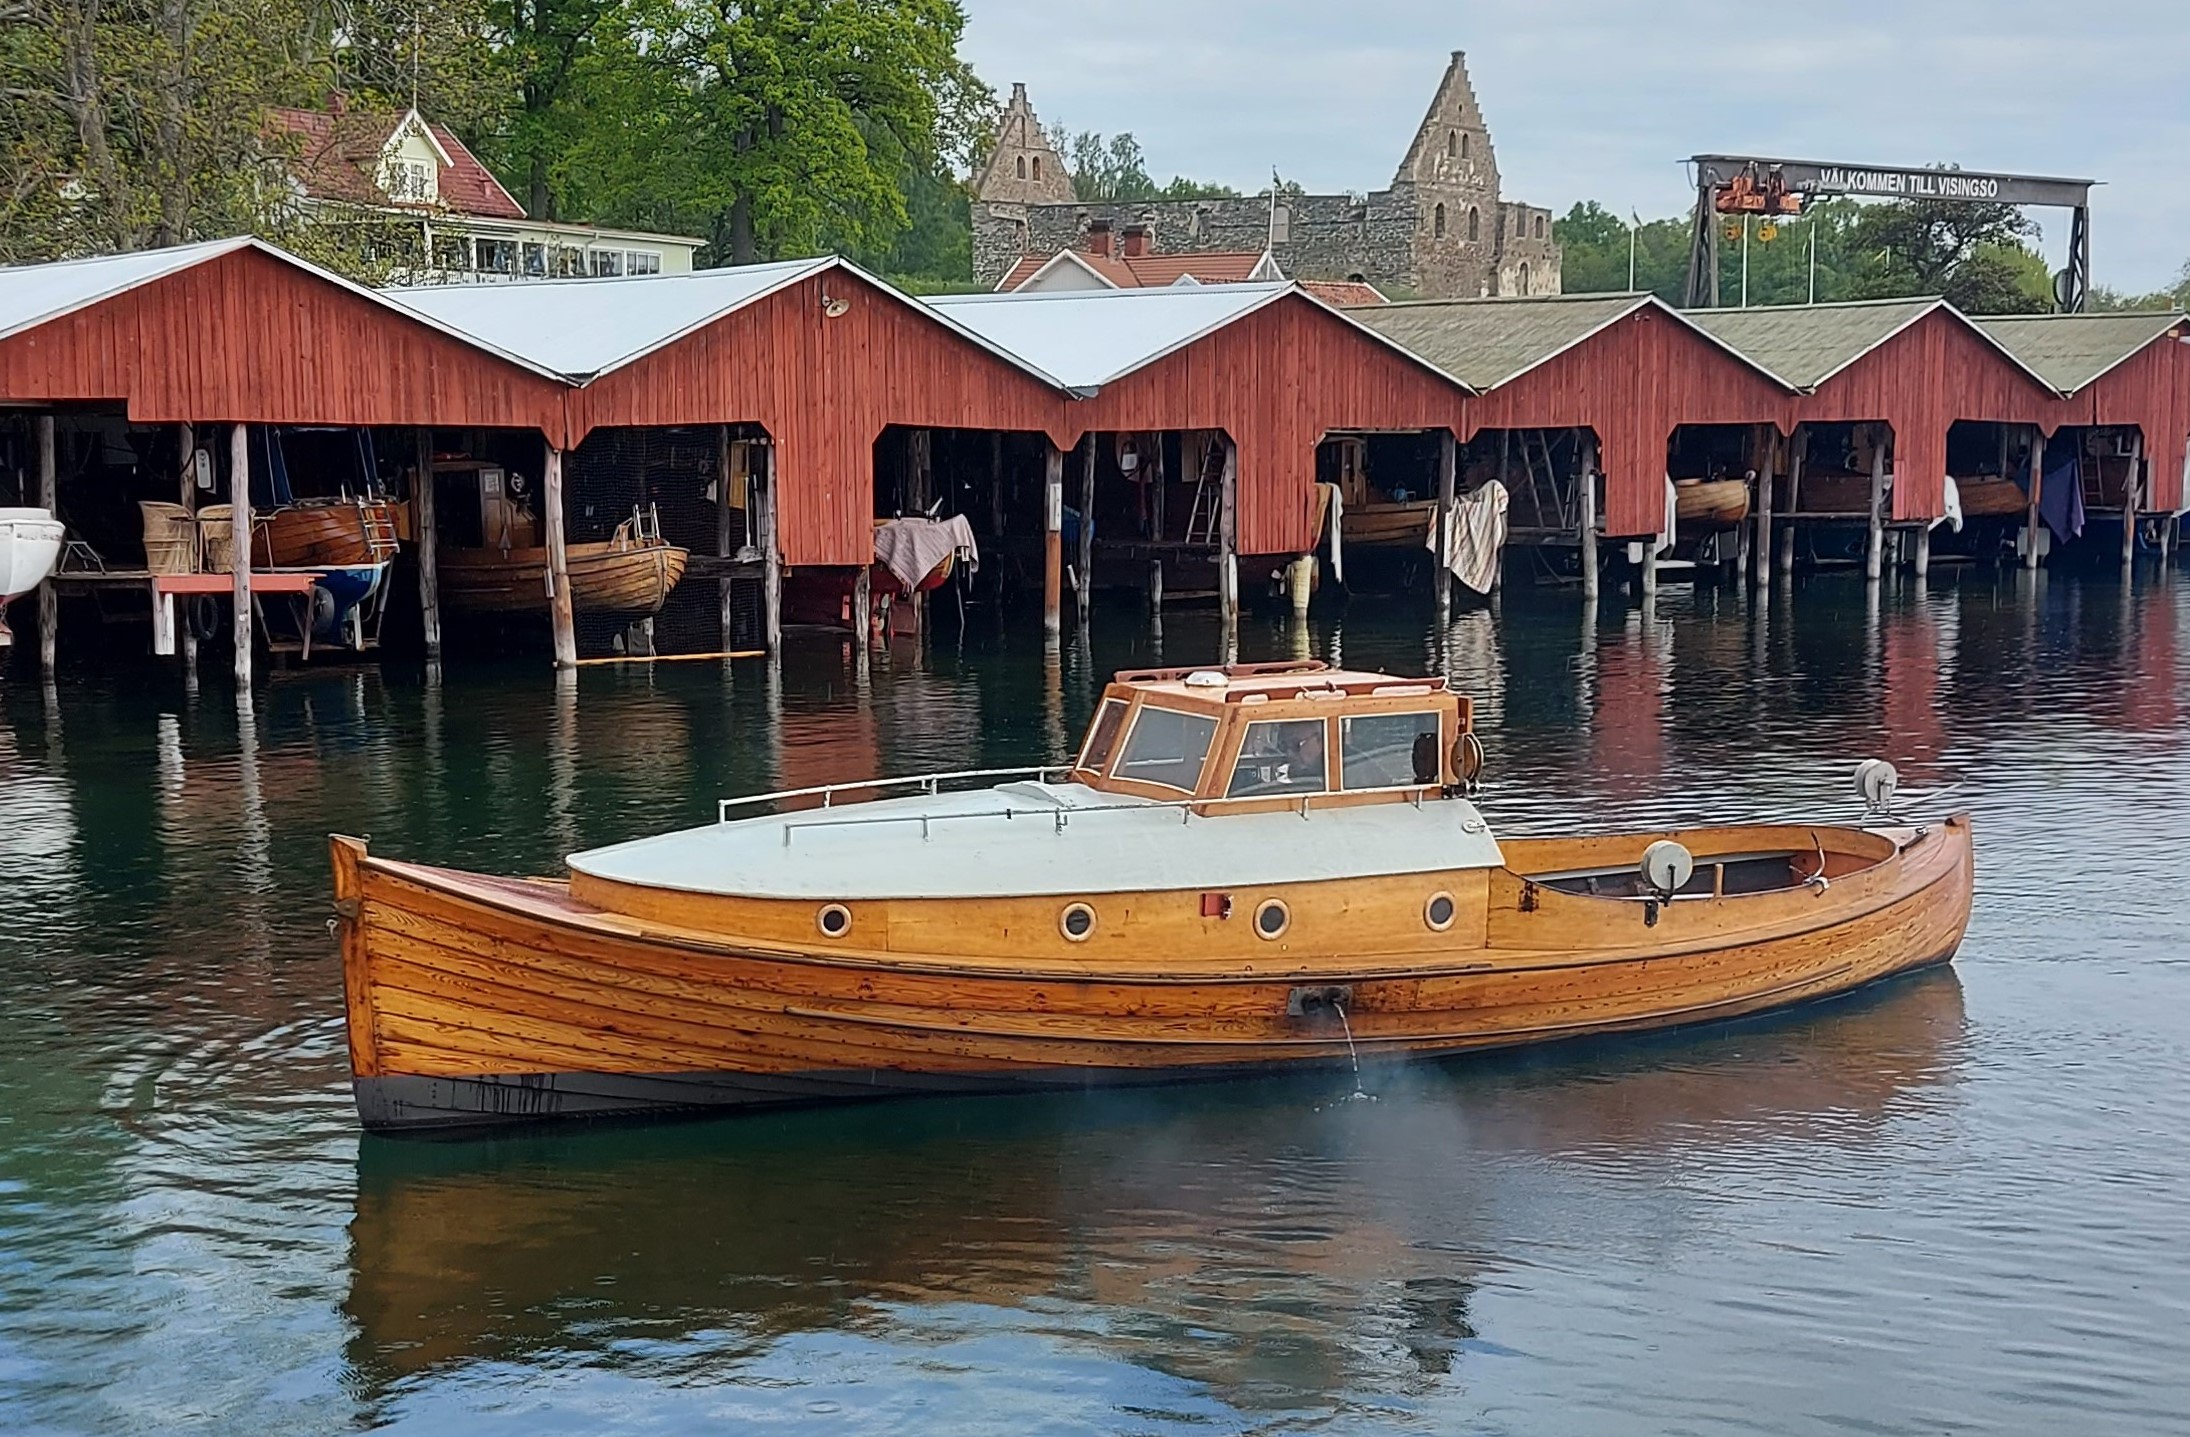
pixel 1167 747
pixel 1389 750
pixel 1280 757
pixel 1102 736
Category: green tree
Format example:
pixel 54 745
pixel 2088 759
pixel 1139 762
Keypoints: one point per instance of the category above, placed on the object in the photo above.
pixel 1959 249
pixel 1115 169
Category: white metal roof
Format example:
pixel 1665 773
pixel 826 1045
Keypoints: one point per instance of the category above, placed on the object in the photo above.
pixel 1087 338
pixel 33 294
pixel 1041 838
pixel 580 328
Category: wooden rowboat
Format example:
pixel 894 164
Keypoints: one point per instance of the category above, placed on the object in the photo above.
pixel 1701 504
pixel 1190 898
pixel 326 534
pixel 613 577
pixel 1387 525
pixel 1850 494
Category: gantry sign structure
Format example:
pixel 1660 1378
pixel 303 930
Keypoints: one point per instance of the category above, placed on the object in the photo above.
pixel 1756 184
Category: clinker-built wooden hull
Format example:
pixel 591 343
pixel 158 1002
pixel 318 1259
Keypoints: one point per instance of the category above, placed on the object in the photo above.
pixel 605 578
pixel 334 534
pixel 1388 525
pixel 475 999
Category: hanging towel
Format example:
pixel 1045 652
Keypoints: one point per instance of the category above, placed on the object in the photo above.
pixel 912 548
pixel 1477 536
pixel 2061 493
pixel 1953 505
pixel 1670 534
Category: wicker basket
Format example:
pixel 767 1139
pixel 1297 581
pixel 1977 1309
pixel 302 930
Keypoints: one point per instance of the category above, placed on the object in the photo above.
pixel 216 538
pixel 170 538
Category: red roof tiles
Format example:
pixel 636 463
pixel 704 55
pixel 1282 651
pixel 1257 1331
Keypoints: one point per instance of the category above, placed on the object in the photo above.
pixel 1152 271
pixel 339 151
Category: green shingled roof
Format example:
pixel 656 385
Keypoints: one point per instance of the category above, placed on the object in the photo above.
pixel 2069 351
pixel 1805 345
pixel 1485 342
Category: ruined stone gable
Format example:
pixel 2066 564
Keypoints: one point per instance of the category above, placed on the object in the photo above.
pixel 1441 229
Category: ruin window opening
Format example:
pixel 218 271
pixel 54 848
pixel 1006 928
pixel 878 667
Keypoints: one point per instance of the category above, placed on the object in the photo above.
pixel 1037 167
pixel 1475 223
pixel 1452 144
pixel 1438 222
pixel 1022 167
pixel 1463 147
pixel 1524 280
pixel 1539 227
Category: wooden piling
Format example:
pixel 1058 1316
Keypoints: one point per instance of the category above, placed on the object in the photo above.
pixel 1086 591
pixel 863 607
pixel 2132 494
pixel 1586 523
pixel 996 485
pixel 725 609
pixel 920 494
pixel 2030 508
pixel 186 436
pixel 1922 563
pixel 1798 445
pixel 239 546
pixel 1053 538
pixel 561 616
pixel 1874 541
pixel 1300 581
pixel 426 537
pixel 1761 550
pixel 1448 465
pixel 771 557
pixel 1228 552
pixel 49 499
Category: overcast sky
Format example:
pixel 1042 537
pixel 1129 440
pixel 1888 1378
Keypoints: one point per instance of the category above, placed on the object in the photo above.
pixel 1602 99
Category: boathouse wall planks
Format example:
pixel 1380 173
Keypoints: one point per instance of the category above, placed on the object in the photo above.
pixel 1277 380
pixel 824 386
pixel 248 335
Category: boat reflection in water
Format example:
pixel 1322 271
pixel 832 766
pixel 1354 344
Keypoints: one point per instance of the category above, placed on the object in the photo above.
pixel 1269 1243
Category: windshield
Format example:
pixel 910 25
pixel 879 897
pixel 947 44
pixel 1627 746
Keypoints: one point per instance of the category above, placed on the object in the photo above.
pixel 1167 747
pixel 1388 750
pixel 1102 736
pixel 1280 756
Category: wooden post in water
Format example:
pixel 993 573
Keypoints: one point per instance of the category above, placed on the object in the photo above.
pixel 1086 570
pixel 187 495
pixel 1761 550
pixel 1228 552
pixel 920 486
pixel 1874 540
pixel 49 499
pixel 1158 522
pixel 996 484
pixel 2132 495
pixel 863 607
pixel 2030 509
pixel 239 545
pixel 1586 523
pixel 1448 464
pixel 771 556
pixel 1798 445
pixel 725 610
pixel 1053 538
pixel 426 537
pixel 562 617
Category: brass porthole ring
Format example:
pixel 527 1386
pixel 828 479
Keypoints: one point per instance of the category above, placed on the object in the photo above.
pixel 1272 918
pixel 1439 911
pixel 834 920
pixel 1077 922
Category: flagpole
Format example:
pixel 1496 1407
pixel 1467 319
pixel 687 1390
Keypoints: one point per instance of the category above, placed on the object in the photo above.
pixel 1634 228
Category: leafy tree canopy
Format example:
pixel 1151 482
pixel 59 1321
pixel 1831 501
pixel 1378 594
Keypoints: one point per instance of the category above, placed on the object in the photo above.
pixel 1115 169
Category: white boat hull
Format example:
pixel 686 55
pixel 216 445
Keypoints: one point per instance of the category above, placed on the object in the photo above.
pixel 30 543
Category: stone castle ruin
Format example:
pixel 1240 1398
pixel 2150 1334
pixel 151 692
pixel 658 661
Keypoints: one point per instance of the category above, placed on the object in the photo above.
pixel 1440 231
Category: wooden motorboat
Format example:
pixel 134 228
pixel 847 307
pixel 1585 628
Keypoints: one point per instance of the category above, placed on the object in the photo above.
pixel 623 575
pixel 1704 504
pixel 1384 524
pixel 326 533
pixel 1244 869
pixel 30 543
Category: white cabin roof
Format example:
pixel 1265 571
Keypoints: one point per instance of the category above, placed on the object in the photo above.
pixel 1009 842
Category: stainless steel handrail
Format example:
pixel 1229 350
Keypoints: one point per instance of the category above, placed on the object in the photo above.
pixel 926 782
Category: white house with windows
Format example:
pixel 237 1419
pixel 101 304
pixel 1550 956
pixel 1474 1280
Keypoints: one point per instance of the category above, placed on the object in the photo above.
pixel 470 228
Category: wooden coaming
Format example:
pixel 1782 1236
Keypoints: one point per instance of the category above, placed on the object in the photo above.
pixel 453 976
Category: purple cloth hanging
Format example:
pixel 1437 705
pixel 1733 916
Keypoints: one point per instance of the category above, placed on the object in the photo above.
pixel 2061 495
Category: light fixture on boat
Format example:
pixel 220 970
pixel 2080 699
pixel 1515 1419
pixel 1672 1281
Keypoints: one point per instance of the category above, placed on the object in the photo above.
pixel 1875 783
pixel 1666 867
pixel 1206 679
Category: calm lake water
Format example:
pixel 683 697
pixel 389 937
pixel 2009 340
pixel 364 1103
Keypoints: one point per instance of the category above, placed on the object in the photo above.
pixel 1953 1204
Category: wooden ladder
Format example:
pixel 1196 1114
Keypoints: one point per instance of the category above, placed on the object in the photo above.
pixel 1201 517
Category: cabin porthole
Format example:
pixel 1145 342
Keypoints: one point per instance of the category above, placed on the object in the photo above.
pixel 1272 918
pixel 1077 922
pixel 834 920
pixel 1439 912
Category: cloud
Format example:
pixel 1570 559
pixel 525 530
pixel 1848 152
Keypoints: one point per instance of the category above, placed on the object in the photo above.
pixel 1603 99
